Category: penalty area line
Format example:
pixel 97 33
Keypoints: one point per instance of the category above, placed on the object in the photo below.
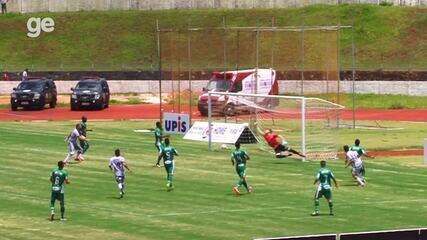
pixel 216 211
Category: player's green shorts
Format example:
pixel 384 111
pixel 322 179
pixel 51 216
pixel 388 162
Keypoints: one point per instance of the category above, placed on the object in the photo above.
pixel 57 195
pixel 241 170
pixel 170 168
pixel 327 193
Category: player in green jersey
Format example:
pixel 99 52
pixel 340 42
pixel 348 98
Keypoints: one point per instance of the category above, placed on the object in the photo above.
pixel 323 178
pixel 83 130
pixel 158 140
pixel 359 149
pixel 58 178
pixel 239 158
pixel 167 153
pixel 361 152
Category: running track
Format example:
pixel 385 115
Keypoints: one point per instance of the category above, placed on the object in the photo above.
pixel 151 111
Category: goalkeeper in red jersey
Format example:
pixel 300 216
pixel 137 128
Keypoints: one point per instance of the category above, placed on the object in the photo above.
pixel 278 143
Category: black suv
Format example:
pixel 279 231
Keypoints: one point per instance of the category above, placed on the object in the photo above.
pixel 34 93
pixel 90 93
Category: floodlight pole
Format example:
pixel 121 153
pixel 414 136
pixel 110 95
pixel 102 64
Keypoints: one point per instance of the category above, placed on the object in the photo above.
pixel 159 55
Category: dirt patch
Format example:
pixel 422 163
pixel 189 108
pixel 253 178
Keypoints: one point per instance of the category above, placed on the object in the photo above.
pixel 396 153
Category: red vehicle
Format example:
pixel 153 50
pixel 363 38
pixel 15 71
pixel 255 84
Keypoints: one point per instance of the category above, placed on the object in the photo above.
pixel 242 81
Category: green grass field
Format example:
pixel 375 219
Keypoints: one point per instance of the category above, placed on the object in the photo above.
pixel 385 37
pixel 202 205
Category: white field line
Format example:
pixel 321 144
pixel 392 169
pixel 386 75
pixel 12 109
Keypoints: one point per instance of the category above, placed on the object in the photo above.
pixel 222 210
pixel 273 208
pixel 395 172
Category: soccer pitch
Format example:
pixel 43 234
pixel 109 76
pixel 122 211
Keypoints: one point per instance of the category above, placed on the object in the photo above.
pixel 202 205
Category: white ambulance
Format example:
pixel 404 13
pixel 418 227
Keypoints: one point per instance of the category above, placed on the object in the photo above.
pixel 241 81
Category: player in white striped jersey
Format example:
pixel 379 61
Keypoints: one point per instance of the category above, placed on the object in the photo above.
pixel 352 158
pixel 118 165
pixel 74 148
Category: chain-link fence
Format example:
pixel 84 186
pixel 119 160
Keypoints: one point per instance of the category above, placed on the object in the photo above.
pixel 189 57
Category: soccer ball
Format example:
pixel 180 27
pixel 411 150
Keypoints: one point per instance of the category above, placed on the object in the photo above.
pixel 224 146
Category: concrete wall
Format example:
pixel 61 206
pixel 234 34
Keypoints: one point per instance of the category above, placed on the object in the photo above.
pixel 416 88
pixel 26 6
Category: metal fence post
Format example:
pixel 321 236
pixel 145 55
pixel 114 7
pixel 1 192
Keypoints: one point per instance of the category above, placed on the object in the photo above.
pixel 190 72
pixel 209 121
pixel 159 55
pixel 353 74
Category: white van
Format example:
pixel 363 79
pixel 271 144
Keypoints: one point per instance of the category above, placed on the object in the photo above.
pixel 241 81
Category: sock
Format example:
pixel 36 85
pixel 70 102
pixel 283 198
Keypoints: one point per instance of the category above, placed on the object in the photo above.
pixel 62 211
pixel 360 181
pixel 239 183
pixel 245 184
pixel 85 146
pixel 120 185
pixel 67 158
pixel 331 205
pixel 52 210
pixel 316 205
pixel 169 178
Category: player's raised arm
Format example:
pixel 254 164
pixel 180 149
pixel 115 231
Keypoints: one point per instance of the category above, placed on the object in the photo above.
pixel 367 155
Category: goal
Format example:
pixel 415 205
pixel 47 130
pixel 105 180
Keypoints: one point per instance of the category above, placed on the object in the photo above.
pixel 308 125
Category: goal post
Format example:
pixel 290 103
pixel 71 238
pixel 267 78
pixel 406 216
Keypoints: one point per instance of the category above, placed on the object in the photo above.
pixel 308 125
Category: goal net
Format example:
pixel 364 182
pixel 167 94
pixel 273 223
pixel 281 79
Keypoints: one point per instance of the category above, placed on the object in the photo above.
pixel 308 125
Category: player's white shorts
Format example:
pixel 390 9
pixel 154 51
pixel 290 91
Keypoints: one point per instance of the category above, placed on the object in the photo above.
pixel 120 178
pixel 73 148
pixel 358 171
